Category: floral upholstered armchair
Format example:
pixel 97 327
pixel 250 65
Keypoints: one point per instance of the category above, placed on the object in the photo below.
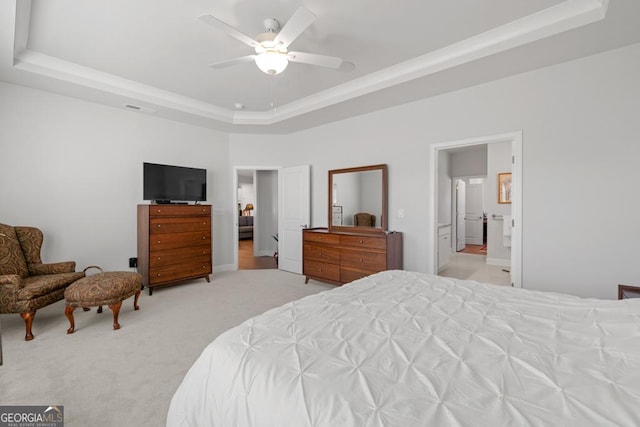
pixel 26 284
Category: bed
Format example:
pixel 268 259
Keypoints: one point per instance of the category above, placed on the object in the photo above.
pixel 410 349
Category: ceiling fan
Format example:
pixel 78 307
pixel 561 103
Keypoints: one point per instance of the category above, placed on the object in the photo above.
pixel 272 56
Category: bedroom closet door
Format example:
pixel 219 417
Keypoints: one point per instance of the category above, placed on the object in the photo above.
pixel 294 215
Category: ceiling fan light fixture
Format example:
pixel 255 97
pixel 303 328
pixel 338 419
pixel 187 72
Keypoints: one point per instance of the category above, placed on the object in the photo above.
pixel 272 62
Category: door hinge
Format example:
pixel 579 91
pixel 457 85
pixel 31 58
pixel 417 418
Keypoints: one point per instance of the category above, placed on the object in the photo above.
pixel 513 223
pixel 513 160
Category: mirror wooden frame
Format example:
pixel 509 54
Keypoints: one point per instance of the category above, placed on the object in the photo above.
pixel 383 220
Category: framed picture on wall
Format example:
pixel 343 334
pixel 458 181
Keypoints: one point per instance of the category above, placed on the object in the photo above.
pixel 504 187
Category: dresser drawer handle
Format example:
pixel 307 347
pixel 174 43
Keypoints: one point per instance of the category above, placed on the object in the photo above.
pixel 158 241
pixel 204 252
pixel 361 241
pixel 320 253
pixel 204 238
pixel 361 260
pixel 204 266
pixel 159 225
pixel 158 258
pixel 158 275
pixel 159 211
pixel 320 269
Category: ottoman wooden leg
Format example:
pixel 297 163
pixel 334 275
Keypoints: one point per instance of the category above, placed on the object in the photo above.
pixel 135 301
pixel 116 310
pixel 69 313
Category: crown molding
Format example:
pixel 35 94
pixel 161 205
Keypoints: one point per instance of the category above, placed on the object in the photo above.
pixel 548 22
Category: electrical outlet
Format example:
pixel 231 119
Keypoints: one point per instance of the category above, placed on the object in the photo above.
pixel 133 262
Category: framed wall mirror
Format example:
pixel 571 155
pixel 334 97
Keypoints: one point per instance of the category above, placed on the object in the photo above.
pixel 358 199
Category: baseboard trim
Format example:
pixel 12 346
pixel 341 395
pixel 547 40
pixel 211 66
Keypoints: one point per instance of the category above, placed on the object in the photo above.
pixel 499 262
pixel 224 267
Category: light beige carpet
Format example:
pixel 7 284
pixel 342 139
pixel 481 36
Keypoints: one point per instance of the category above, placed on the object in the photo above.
pixel 127 377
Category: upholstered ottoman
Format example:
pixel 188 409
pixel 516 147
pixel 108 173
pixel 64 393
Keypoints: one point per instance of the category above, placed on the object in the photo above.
pixel 109 288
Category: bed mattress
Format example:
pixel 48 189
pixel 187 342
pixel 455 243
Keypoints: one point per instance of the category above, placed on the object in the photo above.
pixel 410 349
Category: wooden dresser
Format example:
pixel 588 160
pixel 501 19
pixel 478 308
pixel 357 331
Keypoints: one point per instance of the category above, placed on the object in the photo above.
pixel 341 257
pixel 174 243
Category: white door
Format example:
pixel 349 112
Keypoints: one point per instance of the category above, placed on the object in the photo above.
pixel 460 213
pixel 473 215
pixel 294 215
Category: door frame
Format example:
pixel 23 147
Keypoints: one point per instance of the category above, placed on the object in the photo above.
pixel 235 203
pixel 516 197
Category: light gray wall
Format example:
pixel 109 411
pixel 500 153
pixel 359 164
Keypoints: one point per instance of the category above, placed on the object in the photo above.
pixel 267 214
pixel 580 142
pixel 499 161
pixel 74 169
pixel 470 162
pixel 445 185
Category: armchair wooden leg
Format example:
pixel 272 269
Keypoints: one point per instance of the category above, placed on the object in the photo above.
pixel 28 320
pixel 68 311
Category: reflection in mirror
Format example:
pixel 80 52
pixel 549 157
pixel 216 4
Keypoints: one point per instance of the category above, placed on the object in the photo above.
pixel 358 198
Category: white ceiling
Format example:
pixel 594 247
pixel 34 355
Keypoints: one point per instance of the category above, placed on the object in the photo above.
pixel 155 53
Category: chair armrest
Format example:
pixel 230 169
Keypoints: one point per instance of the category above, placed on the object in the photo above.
pixel 53 268
pixel 9 286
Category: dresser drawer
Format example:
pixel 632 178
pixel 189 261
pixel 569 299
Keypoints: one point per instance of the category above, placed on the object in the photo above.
pixel 179 240
pixel 180 255
pixel 371 261
pixel 348 275
pixel 179 224
pixel 178 210
pixel 326 254
pixel 172 272
pixel 321 238
pixel 321 269
pixel 369 242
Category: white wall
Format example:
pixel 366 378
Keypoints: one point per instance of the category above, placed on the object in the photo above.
pixel 498 161
pixel 445 188
pixel 580 126
pixel 470 162
pixel 74 169
pixel 266 220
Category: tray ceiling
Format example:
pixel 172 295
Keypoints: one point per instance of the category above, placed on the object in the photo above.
pixel 155 53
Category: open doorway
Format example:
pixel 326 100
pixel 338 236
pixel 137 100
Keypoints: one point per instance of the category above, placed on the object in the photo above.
pixel 501 263
pixel 257 218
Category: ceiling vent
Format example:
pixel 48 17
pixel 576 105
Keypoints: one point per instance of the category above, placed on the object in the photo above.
pixel 139 109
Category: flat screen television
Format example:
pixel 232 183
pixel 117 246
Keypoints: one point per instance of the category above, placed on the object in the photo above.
pixel 167 183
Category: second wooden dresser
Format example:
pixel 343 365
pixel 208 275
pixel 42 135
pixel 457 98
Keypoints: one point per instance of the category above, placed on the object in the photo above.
pixel 339 257
pixel 174 243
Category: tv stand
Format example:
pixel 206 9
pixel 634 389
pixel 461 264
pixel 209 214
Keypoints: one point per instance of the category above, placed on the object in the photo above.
pixel 174 244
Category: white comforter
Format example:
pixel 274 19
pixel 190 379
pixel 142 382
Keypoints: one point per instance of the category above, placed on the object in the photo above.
pixel 410 349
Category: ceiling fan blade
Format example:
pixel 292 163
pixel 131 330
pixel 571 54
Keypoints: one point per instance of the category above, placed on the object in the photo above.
pixel 216 23
pixel 299 22
pixel 231 62
pixel 314 59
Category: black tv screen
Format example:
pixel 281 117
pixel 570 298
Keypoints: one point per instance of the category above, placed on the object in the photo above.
pixel 166 183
